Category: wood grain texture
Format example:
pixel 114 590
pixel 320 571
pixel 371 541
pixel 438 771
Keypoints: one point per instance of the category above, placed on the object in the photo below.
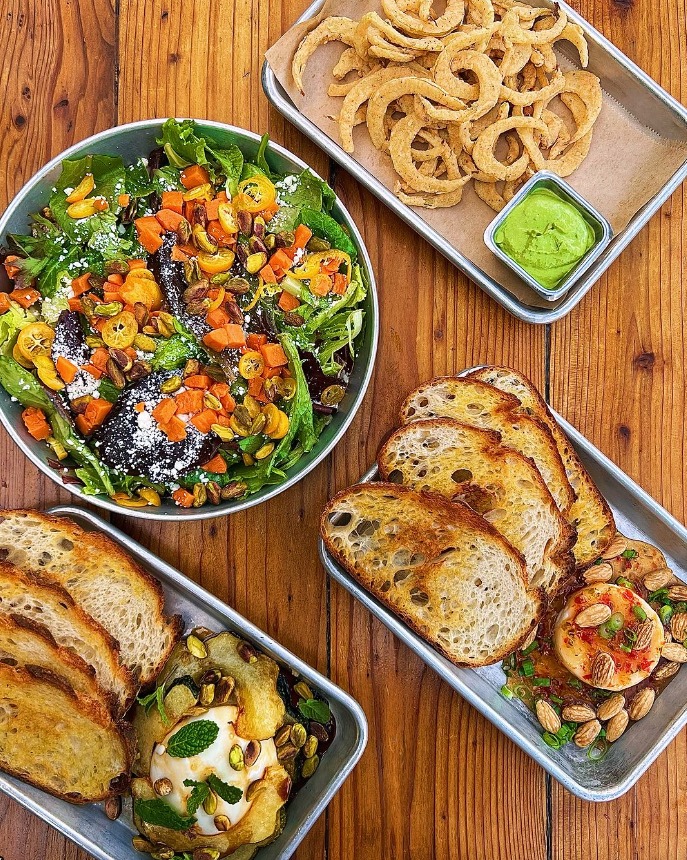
pixel 617 373
pixel 437 780
pixel 441 780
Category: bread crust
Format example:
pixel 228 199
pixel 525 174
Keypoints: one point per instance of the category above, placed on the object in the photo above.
pixel 100 544
pixel 91 710
pixel 31 583
pixel 505 409
pixel 492 449
pixel 448 512
pixel 587 489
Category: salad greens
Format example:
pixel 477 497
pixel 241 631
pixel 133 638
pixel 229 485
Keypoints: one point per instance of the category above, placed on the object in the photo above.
pixel 184 325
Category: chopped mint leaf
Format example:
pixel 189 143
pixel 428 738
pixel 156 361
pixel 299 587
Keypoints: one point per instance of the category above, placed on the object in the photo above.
pixel 192 739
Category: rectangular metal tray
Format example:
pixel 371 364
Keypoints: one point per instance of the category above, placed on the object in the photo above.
pixel 637 516
pixel 624 81
pixel 111 840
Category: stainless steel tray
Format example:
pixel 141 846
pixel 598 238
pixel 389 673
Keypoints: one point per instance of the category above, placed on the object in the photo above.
pixel 622 80
pixel 111 840
pixel 637 516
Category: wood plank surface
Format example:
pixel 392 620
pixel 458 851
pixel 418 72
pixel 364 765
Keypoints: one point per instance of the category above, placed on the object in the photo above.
pixel 436 780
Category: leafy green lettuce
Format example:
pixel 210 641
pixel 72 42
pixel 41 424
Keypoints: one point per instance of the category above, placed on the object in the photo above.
pixel 297 193
pixel 24 386
pixel 326 227
pixel 11 323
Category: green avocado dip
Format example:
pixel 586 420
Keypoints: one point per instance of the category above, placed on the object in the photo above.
pixel 546 236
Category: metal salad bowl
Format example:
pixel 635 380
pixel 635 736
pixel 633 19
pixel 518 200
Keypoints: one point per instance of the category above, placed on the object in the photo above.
pixel 130 142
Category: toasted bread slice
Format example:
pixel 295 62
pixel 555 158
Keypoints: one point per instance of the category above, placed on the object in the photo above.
pixel 461 462
pixel 101 578
pixel 40 601
pixel 480 405
pixel 25 644
pixel 59 740
pixel 590 512
pixel 438 565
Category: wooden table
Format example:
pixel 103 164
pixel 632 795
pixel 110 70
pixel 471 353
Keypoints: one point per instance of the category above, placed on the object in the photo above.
pixel 436 780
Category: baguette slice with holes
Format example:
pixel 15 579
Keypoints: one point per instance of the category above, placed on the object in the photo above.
pixel 41 601
pixel 101 578
pixel 590 511
pixel 26 644
pixel 461 462
pixel 59 740
pixel 480 405
pixel 438 565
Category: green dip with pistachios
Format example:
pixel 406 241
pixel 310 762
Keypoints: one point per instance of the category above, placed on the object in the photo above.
pixel 546 236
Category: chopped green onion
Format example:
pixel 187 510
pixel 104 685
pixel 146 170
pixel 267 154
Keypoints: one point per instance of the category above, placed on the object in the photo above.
pixel 530 648
pixel 598 749
pixel 615 622
pixel 604 630
pixel 626 648
pixel 552 741
pixel 625 583
pixel 657 595
pixel 664 613
pixel 576 683
pixel 630 635
pixel 527 668
pixel 639 613
pixel 506 692
pixel 680 607
pixel 556 699
pixel 521 691
pixel 541 682
pixel 629 553
pixel 508 663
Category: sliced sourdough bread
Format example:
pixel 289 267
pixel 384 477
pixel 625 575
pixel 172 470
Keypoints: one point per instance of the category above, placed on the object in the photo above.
pixel 590 512
pixel 26 644
pixel 103 581
pixel 480 405
pixel 438 565
pixel 41 601
pixel 59 740
pixel 461 462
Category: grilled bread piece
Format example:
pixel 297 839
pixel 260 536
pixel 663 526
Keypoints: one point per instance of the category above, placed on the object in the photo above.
pixel 438 565
pixel 103 581
pixel 40 601
pixel 480 405
pixel 25 644
pixel 59 740
pixel 460 462
pixel 590 512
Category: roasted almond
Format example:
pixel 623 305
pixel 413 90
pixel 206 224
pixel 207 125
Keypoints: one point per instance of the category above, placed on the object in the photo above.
pixel 666 671
pixel 598 573
pixel 578 713
pixel 678 626
pixel 616 726
pixel 674 652
pixel 658 579
pixel 645 633
pixel 603 670
pixel 611 706
pixel 593 615
pixel 587 733
pixel 617 546
pixel 548 718
pixel 677 592
pixel 641 704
